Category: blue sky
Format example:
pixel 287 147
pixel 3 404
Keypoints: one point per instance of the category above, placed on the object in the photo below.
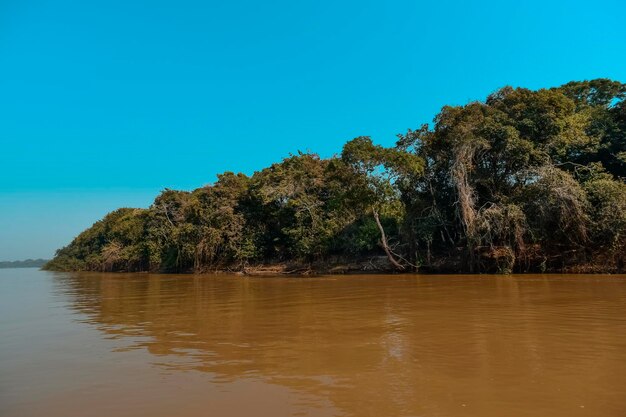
pixel 104 103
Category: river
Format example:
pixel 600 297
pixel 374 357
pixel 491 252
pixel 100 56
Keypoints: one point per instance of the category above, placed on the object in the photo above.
pixel 88 344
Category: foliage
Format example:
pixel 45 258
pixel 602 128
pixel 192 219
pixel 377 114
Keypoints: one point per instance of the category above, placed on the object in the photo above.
pixel 524 181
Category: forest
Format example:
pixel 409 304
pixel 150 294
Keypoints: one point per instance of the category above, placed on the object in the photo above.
pixel 524 181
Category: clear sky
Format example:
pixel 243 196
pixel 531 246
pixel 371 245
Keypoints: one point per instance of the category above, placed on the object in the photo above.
pixel 105 102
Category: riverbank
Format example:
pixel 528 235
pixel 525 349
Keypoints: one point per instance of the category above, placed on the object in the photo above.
pixel 555 264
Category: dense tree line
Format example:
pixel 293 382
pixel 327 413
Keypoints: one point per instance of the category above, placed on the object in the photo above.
pixel 524 181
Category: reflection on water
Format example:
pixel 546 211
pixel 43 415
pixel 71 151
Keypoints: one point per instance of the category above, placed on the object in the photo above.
pixel 349 346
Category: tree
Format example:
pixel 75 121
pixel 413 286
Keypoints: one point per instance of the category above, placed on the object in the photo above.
pixel 385 169
pixel 524 181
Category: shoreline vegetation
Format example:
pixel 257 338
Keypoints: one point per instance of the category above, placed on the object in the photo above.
pixel 525 181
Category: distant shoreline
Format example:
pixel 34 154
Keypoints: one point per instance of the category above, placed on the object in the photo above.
pixel 27 263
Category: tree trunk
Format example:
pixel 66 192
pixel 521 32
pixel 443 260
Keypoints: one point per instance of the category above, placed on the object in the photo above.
pixel 385 245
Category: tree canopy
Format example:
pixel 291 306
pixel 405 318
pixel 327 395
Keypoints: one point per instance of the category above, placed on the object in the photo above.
pixel 523 181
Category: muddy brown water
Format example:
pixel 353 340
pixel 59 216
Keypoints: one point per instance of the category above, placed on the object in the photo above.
pixel 202 345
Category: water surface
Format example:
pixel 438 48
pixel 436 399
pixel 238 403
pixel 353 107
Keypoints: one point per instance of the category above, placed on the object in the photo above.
pixel 202 345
